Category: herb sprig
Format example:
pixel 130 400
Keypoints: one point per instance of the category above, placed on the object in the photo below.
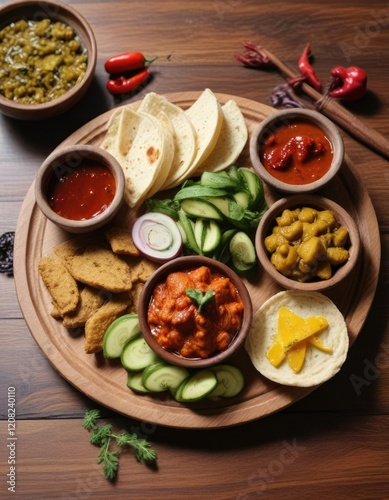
pixel 199 298
pixel 103 437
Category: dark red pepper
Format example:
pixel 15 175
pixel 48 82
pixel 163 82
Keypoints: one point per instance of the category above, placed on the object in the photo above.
pixel 307 70
pixel 128 61
pixel 254 56
pixel 348 83
pixel 122 85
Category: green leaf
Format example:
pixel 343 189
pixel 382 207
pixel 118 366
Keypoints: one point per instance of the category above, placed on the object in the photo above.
pixel 167 207
pixel 200 298
pixel 101 435
pixel 90 419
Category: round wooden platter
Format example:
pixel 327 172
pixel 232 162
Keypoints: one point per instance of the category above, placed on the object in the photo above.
pixel 105 380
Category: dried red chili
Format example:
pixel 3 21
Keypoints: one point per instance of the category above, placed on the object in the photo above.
pixel 348 83
pixel 128 61
pixel 307 70
pixel 122 85
pixel 253 56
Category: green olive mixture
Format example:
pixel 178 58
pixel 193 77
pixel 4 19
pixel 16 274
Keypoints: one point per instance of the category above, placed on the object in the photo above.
pixel 39 61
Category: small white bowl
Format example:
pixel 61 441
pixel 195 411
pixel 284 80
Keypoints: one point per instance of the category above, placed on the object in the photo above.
pixel 73 155
pixel 284 117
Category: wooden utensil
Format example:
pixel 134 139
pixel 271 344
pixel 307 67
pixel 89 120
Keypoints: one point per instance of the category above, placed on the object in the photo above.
pixel 333 110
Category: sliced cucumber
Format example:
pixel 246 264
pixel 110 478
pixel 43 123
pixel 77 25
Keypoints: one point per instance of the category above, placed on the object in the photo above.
pixel 177 394
pixel 228 207
pixel 200 229
pixel 243 255
pixel 201 208
pixel 188 227
pixel 197 386
pixel 137 355
pixel 224 253
pixel 118 333
pixel 218 180
pixel 243 198
pixel 134 382
pixel 162 377
pixel 230 381
pixel 212 238
pixel 254 186
pixel 198 191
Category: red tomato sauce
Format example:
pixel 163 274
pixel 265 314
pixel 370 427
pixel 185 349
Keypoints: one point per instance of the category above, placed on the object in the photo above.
pixel 83 192
pixel 297 153
pixel 178 326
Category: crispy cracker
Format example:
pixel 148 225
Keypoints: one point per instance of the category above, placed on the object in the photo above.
pixel 121 241
pixel 143 270
pixel 98 323
pixel 60 284
pixel 135 294
pixel 100 268
pixel 91 299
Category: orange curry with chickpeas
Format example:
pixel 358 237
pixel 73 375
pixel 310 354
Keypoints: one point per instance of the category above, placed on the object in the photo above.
pixel 177 323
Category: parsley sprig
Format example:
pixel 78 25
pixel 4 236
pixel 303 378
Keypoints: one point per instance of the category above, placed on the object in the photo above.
pixel 103 437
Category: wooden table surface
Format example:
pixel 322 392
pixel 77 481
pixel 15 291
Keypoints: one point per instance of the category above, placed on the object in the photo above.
pixel 333 443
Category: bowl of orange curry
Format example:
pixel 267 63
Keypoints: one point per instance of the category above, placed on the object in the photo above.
pixel 296 151
pixel 195 312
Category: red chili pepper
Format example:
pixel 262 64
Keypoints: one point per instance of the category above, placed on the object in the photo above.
pixel 307 70
pixel 127 62
pixel 348 83
pixel 122 85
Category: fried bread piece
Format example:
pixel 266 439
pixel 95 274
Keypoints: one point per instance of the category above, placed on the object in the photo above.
pixel 143 270
pixel 135 294
pixel 121 241
pixel 91 299
pixel 98 267
pixel 97 324
pixel 60 284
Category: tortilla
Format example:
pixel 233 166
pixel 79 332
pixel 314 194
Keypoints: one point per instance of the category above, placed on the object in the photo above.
pixel 183 133
pixel 318 366
pixel 232 139
pixel 144 148
pixel 206 116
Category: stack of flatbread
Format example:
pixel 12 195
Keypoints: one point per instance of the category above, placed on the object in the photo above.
pixel 161 145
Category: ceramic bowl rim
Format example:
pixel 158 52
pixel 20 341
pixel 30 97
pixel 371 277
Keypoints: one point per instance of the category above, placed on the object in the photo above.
pixel 187 262
pixel 316 202
pixel 289 114
pixel 60 104
pixel 62 155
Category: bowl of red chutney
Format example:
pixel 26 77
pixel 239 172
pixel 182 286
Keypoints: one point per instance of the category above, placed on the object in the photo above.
pixel 195 312
pixel 80 188
pixel 296 150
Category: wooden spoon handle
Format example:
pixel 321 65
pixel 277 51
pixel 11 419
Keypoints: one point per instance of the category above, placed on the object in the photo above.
pixel 337 113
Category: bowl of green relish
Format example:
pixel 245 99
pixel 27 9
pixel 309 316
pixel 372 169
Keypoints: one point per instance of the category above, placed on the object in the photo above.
pixel 48 58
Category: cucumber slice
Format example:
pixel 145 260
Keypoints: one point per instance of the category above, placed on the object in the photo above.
pixel 254 185
pixel 134 382
pixel 201 208
pixel 137 354
pixel 198 191
pixel 212 237
pixel 243 198
pixel 198 386
pixel 228 207
pixel 224 254
pixel 178 393
pixel 162 377
pixel 230 381
pixel 200 229
pixel 118 333
pixel 188 227
pixel 218 180
pixel 243 255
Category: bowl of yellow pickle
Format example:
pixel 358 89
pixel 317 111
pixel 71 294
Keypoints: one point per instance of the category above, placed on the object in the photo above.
pixel 307 242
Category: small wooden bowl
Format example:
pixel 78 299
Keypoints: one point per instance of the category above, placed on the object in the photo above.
pixel 317 202
pixel 74 155
pixel 181 264
pixel 56 11
pixel 281 118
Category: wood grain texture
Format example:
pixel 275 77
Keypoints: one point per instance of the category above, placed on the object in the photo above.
pixel 343 424
pixel 105 381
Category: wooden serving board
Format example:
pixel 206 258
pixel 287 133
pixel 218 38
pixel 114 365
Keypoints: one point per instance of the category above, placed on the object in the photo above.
pixel 105 380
